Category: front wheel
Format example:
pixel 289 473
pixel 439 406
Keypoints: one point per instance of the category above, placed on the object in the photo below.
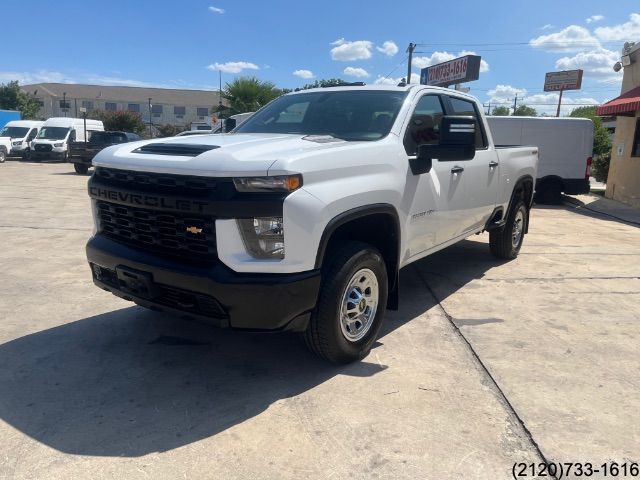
pixel 81 168
pixel 505 242
pixel 3 155
pixel 351 304
pixel 26 155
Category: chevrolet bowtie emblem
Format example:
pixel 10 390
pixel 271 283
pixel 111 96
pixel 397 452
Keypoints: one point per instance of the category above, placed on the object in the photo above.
pixel 194 230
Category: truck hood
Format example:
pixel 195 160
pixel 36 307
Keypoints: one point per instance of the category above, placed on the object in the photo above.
pixel 229 154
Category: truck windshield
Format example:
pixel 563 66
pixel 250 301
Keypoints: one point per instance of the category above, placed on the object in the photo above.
pixel 14 132
pixel 362 115
pixel 53 133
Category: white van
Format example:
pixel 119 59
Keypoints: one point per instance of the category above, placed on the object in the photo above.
pixel 21 132
pixel 565 147
pixel 57 132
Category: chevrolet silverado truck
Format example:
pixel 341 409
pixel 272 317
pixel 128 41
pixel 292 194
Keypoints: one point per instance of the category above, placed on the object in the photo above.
pixel 302 217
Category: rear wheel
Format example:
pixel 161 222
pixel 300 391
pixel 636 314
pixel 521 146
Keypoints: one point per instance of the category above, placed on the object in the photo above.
pixel 351 304
pixel 505 242
pixel 3 155
pixel 81 168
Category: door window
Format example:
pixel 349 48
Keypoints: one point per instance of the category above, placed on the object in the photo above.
pixel 424 126
pixel 468 108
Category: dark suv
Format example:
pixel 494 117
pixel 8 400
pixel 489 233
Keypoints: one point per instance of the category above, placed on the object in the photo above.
pixel 82 153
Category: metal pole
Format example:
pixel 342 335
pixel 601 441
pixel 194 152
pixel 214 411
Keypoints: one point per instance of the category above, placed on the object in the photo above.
pixel 84 117
pixel 559 103
pixel 410 49
pixel 150 131
pixel 75 101
pixel 489 110
pixel 515 104
pixel 219 95
pixel 64 103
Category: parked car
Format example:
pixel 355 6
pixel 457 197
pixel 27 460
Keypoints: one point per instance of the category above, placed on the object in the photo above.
pixel 82 153
pixel 303 216
pixel 56 133
pixel 565 146
pixel 21 133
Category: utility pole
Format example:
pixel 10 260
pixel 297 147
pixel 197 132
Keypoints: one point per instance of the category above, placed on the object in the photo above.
pixel 150 130
pixel 489 109
pixel 220 95
pixel 64 103
pixel 515 104
pixel 410 49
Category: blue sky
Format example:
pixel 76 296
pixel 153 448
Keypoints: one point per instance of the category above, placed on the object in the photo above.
pixel 184 44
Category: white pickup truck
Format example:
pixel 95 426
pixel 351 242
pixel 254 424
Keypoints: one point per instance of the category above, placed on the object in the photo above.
pixel 302 218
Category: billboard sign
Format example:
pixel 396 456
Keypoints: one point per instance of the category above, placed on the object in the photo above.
pixel 459 70
pixel 565 80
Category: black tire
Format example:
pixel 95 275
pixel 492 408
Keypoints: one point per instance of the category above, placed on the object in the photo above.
pixel 324 335
pixel 26 154
pixel 3 155
pixel 81 168
pixel 502 241
pixel 549 193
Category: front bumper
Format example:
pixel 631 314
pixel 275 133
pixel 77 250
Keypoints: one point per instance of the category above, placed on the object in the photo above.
pixel 51 154
pixel 215 294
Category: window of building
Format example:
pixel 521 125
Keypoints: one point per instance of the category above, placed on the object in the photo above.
pixel 64 104
pixel 88 104
pixel 133 107
pixel 110 106
pixel 635 150
pixel 202 111
pixel 179 111
pixel 468 108
pixel 156 110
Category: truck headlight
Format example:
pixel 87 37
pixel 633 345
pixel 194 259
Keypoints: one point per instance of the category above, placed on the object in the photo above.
pixel 61 144
pixel 263 237
pixel 283 183
pixel 17 144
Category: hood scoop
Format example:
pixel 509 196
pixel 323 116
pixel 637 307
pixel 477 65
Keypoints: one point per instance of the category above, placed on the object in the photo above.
pixel 322 139
pixel 175 149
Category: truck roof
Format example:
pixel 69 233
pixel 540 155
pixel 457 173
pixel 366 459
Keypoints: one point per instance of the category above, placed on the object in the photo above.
pixel 388 88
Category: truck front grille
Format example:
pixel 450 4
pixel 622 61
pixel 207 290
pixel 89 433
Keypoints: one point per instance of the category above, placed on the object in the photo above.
pixel 40 147
pixel 171 234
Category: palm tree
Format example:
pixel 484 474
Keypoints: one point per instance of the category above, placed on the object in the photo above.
pixel 248 94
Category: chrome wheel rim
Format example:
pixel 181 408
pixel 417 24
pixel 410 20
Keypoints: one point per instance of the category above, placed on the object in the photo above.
pixel 359 305
pixel 518 228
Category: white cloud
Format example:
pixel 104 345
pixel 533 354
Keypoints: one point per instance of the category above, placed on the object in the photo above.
pixel 629 31
pixel 389 48
pixel 571 39
pixel 39 76
pixel 346 51
pixel 356 72
pixel 596 63
pixel 594 18
pixel 548 26
pixel 415 78
pixel 304 73
pixel 216 10
pixel 233 67
pixel 439 57
pixel 544 103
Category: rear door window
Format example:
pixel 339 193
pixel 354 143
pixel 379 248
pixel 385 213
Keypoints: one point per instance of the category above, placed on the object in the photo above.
pixel 461 106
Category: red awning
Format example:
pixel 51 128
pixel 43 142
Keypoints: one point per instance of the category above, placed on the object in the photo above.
pixel 624 104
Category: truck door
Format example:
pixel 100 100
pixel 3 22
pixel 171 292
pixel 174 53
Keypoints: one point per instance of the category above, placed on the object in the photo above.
pixel 473 184
pixel 425 196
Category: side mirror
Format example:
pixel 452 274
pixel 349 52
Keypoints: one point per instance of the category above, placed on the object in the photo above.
pixel 457 142
pixel 229 124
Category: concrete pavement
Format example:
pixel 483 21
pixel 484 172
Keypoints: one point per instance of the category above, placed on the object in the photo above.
pixel 538 352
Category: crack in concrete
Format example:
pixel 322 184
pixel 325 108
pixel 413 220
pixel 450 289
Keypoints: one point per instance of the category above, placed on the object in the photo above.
pixel 511 409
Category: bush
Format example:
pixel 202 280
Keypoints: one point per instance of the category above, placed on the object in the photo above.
pixel 122 120
pixel 600 167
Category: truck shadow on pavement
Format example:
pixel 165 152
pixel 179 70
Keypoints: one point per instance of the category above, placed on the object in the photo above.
pixel 132 382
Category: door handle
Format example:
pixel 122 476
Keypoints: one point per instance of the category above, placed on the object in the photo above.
pixel 457 169
pixel 493 164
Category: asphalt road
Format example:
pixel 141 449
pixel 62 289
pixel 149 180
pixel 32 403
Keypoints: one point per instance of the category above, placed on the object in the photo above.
pixel 486 364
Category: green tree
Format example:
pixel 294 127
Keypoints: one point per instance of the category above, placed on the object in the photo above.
pixel 168 130
pixel 248 94
pixel 122 120
pixel 500 111
pixel 601 142
pixel 13 98
pixel 525 111
pixel 323 83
